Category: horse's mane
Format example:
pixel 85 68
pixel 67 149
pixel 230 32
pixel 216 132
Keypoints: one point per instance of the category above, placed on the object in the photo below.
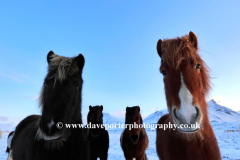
pixel 176 49
pixel 59 68
pixel 133 111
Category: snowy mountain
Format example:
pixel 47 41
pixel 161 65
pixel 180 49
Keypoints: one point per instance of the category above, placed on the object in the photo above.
pixel 216 113
pixel 154 117
pixel 220 113
pixel 109 119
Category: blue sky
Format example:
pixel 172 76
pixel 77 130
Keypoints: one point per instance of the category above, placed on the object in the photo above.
pixel 118 40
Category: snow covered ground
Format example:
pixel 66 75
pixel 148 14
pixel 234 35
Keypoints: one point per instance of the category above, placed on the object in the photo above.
pixel 229 143
pixel 222 119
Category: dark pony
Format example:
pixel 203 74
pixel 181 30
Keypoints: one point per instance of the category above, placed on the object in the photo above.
pixel 97 135
pixel 187 83
pixel 9 141
pixel 45 136
pixel 134 139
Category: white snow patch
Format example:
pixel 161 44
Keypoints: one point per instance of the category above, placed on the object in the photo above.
pixel 221 118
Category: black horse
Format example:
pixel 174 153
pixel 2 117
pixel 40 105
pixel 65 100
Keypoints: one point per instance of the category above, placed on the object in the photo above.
pixel 9 141
pixel 45 136
pixel 97 135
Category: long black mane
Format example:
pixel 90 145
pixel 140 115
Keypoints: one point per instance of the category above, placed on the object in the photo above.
pixel 39 136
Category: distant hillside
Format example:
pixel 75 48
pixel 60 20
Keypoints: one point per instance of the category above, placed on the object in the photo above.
pixel 154 117
pixel 216 113
pixel 109 119
pixel 221 113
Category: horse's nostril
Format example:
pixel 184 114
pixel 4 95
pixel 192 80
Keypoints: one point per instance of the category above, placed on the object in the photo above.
pixel 187 116
pixel 47 126
pixel 198 113
pixel 175 114
pixel 134 138
pixel 50 125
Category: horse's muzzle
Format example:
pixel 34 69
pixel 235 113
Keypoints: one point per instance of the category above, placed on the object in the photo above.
pixel 134 138
pixel 188 121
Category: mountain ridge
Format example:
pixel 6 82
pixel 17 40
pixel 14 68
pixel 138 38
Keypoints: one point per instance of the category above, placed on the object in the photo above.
pixel 216 112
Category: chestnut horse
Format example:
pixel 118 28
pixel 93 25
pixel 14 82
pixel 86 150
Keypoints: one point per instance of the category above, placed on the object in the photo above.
pixel 46 136
pixel 187 83
pixel 97 134
pixel 134 139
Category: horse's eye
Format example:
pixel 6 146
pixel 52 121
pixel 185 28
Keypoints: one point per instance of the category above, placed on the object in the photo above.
pixel 45 84
pixel 164 72
pixel 77 85
pixel 197 66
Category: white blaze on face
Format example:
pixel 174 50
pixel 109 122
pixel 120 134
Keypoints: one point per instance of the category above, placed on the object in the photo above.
pixel 186 99
pixel 50 125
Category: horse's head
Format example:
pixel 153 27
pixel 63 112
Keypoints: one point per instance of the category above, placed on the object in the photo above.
pixel 60 98
pixel 132 117
pixel 186 81
pixel 95 116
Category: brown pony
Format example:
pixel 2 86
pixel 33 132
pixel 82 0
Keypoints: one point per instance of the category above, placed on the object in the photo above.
pixel 134 139
pixel 187 82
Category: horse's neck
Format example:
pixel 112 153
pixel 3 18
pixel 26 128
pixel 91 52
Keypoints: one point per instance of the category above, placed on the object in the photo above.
pixel 78 119
pixel 205 141
pixel 192 149
pixel 77 134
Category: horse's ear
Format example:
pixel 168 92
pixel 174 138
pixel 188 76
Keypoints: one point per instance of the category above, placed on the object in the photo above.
pixel 193 39
pixel 90 107
pixel 138 108
pixel 80 61
pixel 127 109
pixel 50 56
pixel 101 107
pixel 159 47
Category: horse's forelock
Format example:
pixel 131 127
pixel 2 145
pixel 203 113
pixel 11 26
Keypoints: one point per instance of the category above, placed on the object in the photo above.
pixel 95 113
pixel 133 114
pixel 61 67
pixel 174 50
pixel 177 49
